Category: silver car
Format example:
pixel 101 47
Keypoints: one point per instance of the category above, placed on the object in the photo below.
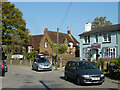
pixel 41 64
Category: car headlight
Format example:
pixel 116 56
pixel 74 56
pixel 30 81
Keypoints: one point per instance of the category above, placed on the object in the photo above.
pixel 50 65
pixel 40 65
pixel 102 75
pixel 85 76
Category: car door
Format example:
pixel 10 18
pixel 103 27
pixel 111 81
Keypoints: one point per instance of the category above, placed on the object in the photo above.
pixel 73 70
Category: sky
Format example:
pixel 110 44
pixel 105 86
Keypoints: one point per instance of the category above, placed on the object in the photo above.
pixel 53 15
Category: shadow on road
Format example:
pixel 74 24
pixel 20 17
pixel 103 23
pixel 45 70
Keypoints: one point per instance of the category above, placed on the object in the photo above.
pixel 45 85
pixel 75 82
pixel 41 70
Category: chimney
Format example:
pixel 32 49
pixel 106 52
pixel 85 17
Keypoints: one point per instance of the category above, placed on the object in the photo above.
pixel 68 30
pixel 87 27
pixel 45 30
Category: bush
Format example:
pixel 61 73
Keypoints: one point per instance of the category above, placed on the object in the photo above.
pixel 102 63
pixel 117 69
pixel 114 62
pixel 31 56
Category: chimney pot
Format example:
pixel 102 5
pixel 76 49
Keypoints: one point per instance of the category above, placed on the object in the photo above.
pixel 68 30
pixel 87 27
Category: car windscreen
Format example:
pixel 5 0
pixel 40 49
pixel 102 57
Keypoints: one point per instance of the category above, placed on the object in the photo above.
pixel 42 60
pixel 86 65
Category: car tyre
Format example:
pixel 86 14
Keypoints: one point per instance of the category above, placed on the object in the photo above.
pixel 3 74
pixel 32 67
pixel 66 77
pixel 78 81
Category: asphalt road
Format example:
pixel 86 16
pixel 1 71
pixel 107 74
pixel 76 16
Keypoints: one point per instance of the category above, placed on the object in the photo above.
pixel 24 77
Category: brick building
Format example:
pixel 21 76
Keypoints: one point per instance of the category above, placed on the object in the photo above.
pixel 40 43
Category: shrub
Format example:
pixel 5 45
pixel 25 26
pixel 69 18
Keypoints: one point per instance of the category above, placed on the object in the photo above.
pixel 102 63
pixel 114 62
pixel 31 56
pixel 117 69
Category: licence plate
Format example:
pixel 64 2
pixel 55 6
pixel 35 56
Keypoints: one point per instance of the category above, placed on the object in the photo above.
pixel 95 78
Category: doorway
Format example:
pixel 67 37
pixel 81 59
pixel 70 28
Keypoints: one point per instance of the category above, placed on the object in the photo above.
pixel 95 54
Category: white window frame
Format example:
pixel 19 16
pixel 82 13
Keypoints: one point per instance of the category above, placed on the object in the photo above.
pixel 110 52
pixel 107 37
pixel 86 52
pixel 87 40
pixel 71 45
pixel 46 44
pixel 30 49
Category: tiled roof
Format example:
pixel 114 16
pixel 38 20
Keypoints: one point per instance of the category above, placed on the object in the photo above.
pixel 35 41
pixel 110 28
pixel 62 37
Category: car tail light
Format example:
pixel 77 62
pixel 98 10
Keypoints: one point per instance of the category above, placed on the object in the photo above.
pixel 2 65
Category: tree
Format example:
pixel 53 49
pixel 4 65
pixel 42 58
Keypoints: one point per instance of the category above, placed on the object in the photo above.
pixel 14 32
pixel 100 22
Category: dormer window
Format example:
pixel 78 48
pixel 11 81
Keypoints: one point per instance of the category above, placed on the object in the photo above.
pixel 46 43
pixel 71 45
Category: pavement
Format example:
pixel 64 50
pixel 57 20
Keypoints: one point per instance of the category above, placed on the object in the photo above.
pixel 24 77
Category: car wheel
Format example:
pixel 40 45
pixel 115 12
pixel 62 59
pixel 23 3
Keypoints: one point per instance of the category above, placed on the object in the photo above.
pixel 78 81
pixel 66 77
pixel 37 68
pixel 3 74
pixel 32 67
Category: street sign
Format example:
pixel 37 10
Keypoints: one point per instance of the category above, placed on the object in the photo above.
pixel 17 56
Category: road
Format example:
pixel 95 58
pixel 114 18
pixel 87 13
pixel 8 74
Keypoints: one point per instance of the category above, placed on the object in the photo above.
pixel 24 77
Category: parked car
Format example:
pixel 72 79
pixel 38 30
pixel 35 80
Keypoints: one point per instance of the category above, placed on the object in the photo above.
pixel 5 66
pixel 41 63
pixel 40 56
pixel 2 70
pixel 83 72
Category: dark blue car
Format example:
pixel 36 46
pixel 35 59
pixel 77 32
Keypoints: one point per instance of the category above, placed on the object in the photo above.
pixel 84 72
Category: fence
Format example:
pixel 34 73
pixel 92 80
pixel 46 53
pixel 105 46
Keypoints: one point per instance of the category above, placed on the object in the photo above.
pixel 61 61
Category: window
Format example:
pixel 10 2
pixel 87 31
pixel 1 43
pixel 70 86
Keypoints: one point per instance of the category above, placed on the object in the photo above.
pixel 109 52
pixel 86 39
pixel 96 38
pixel 46 43
pixel 71 45
pixel 73 64
pixel 86 52
pixel 69 64
pixel 29 49
pixel 106 38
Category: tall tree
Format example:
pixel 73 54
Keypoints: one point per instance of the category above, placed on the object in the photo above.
pixel 100 22
pixel 14 32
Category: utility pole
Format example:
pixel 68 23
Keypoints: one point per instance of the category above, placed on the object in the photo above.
pixel 57 46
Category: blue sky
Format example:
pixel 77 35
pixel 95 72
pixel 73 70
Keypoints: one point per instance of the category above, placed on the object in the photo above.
pixel 39 15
